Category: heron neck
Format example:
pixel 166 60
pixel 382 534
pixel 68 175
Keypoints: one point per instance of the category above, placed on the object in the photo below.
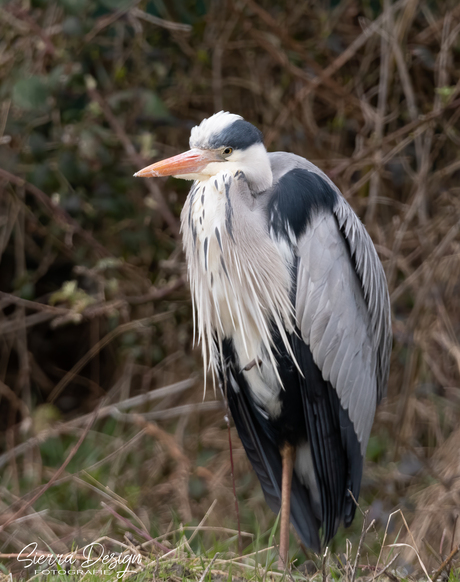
pixel 257 168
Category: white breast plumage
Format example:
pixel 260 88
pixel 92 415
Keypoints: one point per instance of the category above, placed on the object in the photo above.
pixel 221 273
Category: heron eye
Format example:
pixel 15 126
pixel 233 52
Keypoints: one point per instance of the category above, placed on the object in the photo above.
pixel 228 151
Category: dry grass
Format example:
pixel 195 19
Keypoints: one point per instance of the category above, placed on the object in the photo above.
pixel 92 91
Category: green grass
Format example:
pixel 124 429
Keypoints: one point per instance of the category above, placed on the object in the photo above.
pixel 108 491
pixel 257 565
pixel 188 555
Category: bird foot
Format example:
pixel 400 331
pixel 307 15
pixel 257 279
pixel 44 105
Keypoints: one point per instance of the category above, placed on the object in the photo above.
pixel 251 364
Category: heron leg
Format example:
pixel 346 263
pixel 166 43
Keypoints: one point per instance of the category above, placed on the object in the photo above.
pixel 288 460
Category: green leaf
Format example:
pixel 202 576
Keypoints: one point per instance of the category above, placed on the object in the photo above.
pixel 74 6
pixel 31 93
pixel 116 4
pixel 69 293
pixel 153 105
pixel 72 26
pixel 44 416
pixel 445 93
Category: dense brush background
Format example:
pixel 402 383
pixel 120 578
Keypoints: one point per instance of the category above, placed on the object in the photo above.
pixel 94 306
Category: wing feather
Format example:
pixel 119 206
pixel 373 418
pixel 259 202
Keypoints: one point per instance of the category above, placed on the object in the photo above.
pixel 343 318
pixel 341 343
pixel 342 311
pixel 372 277
pixel 264 455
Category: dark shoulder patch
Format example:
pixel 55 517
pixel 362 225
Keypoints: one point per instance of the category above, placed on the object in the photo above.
pixel 239 135
pixel 297 197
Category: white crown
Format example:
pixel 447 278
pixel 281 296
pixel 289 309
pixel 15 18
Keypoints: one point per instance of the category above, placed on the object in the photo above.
pixel 201 134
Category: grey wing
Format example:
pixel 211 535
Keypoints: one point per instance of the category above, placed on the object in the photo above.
pixel 343 311
pixel 375 288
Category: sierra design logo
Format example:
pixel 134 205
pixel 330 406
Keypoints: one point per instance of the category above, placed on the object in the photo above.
pixel 92 559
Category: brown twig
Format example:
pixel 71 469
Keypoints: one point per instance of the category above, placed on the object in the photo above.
pixel 105 21
pixel 24 16
pixel 102 412
pixel 10 299
pixel 385 71
pixel 156 294
pixel 323 566
pixel 385 569
pixel 184 410
pixel 361 540
pixel 136 159
pixel 174 450
pixel 208 567
pixel 58 213
pixel 232 475
pixel 138 324
pixel 334 89
pixel 329 71
pixel 54 478
pixel 126 521
pixel 419 124
pixel 17 403
pixel 454 529
pixel 446 562
pixel 175 26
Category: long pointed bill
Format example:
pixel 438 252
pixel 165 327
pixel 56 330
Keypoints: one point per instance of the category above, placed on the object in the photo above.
pixel 191 162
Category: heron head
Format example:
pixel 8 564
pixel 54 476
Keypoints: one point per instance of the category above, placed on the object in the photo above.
pixel 224 142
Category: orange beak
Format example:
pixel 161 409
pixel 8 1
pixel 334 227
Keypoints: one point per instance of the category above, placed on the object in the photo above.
pixel 191 162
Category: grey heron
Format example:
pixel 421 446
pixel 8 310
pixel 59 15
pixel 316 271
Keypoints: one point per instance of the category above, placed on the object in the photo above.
pixel 293 312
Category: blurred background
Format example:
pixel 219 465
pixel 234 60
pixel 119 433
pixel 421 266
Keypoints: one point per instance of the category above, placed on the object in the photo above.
pixel 94 305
